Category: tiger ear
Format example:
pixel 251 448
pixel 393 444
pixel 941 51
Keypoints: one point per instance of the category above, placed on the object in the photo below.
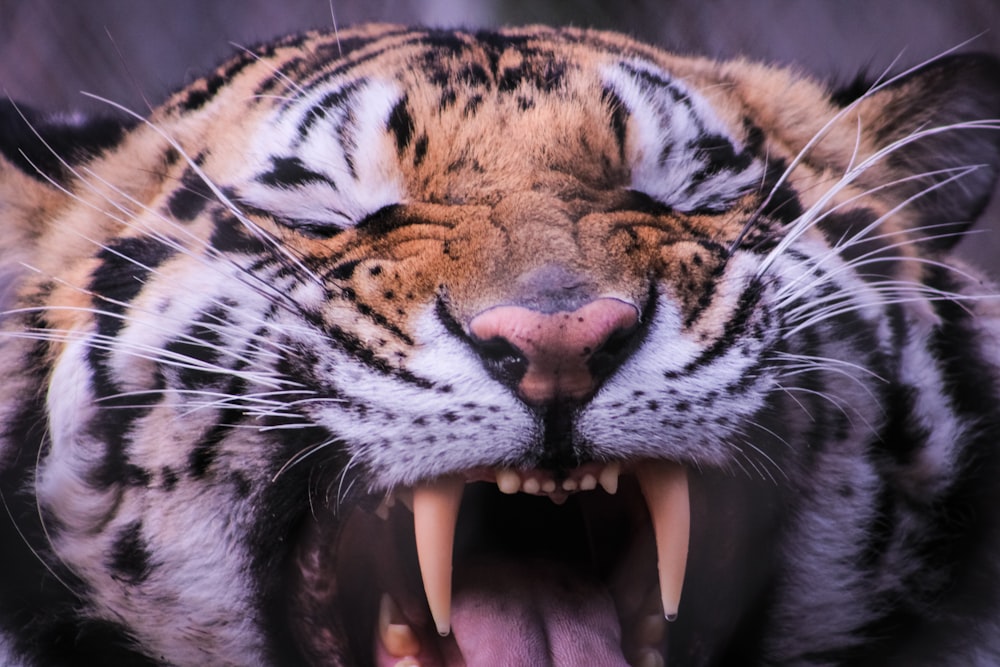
pixel 960 92
pixel 44 146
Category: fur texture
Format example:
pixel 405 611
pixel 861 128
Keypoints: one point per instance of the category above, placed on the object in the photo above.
pixel 242 322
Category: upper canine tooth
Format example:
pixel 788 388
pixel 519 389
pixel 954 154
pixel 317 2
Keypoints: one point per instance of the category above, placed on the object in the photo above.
pixel 435 511
pixel 665 486
pixel 508 481
pixel 608 478
pixel 649 658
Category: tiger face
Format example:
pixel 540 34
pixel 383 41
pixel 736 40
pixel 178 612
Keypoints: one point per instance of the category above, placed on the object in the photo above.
pixel 409 347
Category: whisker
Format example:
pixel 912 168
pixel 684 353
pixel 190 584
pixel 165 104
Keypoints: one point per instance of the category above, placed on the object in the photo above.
pixel 255 229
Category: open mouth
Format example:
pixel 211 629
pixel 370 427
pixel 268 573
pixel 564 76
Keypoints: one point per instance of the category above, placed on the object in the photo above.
pixel 503 567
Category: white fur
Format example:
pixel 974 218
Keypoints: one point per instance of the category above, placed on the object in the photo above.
pixel 354 131
pixel 387 437
pixel 656 121
pixel 61 484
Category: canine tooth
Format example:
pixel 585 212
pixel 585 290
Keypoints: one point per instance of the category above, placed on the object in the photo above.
pixel 608 478
pixel 508 481
pixel 651 630
pixel 435 511
pixel 665 486
pixel 588 482
pixel 649 658
pixel 532 486
pixel 398 638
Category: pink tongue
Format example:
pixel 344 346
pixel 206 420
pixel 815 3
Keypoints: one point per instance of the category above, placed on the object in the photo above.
pixel 533 613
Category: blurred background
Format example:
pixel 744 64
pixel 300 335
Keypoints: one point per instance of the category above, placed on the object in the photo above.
pixel 136 51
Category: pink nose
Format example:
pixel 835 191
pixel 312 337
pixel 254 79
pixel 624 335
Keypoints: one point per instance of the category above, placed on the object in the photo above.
pixel 557 346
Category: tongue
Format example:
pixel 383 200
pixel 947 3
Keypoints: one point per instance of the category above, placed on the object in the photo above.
pixel 533 613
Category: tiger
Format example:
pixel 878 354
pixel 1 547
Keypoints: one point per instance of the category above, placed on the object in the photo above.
pixel 398 347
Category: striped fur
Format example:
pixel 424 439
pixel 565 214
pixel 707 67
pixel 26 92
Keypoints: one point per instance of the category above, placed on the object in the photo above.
pixel 244 318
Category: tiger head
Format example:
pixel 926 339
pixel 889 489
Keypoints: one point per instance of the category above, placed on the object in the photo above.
pixel 403 343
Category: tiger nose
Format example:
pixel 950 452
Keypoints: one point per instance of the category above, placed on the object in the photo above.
pixel 548 357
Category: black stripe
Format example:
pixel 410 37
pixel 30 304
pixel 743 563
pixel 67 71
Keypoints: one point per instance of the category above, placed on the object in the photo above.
pixel 400 123
pixel 386 219
pixel 290 172
pixel 201 344
pixel 188 201
pixel 206 450
pixel 130 560
pixel 731 334
pixel 126 264
pixel 201 92
pixel 336 99
pixel 618 118
pixel 231 235
pixel 968 382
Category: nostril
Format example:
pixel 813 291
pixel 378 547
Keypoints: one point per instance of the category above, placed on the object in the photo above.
pixel 502 360
pixel 618 345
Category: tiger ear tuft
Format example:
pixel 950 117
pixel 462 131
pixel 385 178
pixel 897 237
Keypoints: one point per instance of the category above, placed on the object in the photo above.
pixel 961 92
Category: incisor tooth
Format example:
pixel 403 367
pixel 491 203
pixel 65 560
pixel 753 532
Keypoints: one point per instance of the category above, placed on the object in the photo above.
pixel 508 481
pixel 397 636
pixel 382 511
pixel 532 486
pixel 588 482
pixel 608 478
pixel 405 496
pixel 435 511
pixel 665 486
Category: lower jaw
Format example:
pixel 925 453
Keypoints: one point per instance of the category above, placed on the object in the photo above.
pixel 534 581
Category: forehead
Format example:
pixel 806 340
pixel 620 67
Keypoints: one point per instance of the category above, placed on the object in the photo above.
pixel 453 117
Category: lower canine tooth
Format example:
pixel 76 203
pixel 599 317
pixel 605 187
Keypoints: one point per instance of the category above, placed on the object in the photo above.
pixel 649 658
pixel 651 630
pixel 435 511
pixel 397 636
pixel 665 486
